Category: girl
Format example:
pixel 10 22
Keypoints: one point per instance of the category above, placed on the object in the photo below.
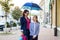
pixel 34 28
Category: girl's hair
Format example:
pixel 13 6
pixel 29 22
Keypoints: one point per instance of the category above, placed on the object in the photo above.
pixel 36 18
pixel 25 12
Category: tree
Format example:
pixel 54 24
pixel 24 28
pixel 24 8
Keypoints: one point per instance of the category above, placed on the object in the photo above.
pixel 16 13
pixel 6 7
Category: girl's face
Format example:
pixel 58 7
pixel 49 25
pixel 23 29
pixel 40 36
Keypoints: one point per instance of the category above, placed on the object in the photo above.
pixel 27 13
pixel 34 18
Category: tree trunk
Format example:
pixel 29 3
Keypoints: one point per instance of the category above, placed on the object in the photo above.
pixel 17 24
pixel 6 22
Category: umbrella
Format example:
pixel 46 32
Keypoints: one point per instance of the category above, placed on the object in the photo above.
pixel 31 6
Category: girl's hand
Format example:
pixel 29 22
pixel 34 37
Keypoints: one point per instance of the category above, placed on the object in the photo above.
pixel 34 36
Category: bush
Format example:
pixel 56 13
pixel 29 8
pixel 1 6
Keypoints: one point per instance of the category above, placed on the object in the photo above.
pixel 14 24
pixel 8 25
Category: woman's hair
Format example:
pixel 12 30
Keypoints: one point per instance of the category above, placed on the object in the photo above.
pixel 36 18
pixel 25 12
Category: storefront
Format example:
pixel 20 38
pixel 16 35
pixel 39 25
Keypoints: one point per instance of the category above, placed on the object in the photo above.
pixel 55 15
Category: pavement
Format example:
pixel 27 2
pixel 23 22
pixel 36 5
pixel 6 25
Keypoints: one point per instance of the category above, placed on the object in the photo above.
pixel 45 34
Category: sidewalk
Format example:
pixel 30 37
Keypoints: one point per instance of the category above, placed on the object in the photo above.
pixel 45 34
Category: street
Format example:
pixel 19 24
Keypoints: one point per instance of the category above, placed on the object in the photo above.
pixel 45 34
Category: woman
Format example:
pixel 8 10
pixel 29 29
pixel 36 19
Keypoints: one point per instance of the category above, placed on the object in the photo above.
pixel 25 23
pixel 34 28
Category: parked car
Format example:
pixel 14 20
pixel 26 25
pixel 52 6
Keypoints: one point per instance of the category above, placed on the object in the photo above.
pixel 2 24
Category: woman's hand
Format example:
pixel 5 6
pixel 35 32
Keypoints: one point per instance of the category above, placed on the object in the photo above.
pixel 21 30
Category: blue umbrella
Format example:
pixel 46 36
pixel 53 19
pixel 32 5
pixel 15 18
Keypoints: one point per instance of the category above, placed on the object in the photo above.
pixel 31 6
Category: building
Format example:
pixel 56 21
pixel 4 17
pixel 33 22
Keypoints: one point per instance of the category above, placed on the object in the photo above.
pixel 44 14
pixel 55 14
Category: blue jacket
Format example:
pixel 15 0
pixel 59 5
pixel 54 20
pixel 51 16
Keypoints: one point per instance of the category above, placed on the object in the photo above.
pixel 34 28
pixel 23 23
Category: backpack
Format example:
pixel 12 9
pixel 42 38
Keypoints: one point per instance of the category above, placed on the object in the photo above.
pixel 20 38
pixel 23 37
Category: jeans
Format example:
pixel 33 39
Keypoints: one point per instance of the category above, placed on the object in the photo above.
pixel 28 34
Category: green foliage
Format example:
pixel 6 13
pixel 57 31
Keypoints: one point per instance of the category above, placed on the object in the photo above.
pixel 8 25
pixel 14 24
pixel 16 13
pixel 5 5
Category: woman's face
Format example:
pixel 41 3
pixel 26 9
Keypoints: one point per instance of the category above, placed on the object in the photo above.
pixel 27 13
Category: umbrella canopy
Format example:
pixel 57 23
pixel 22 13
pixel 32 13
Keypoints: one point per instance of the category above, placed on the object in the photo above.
pixel 31 6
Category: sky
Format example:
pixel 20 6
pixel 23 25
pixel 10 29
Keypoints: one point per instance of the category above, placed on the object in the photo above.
pixel 20 3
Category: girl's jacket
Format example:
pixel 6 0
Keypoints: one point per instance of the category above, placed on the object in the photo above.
pixel 34 28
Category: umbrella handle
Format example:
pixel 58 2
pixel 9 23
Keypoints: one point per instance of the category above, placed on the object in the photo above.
pixel 30 19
